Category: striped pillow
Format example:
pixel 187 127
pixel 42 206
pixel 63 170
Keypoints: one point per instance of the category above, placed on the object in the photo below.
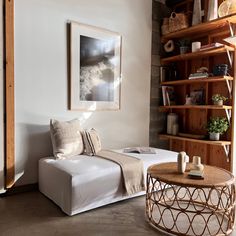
pixel 92 142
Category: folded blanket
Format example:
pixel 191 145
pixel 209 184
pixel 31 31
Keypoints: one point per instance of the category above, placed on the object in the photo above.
pixel 132 170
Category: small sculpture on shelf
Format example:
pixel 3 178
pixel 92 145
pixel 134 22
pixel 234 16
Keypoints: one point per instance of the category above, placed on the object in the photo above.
pixel 169 46
pixel 217 126
pixel 218 99
pixel 197 12
pixel 212 13
pixel 188 100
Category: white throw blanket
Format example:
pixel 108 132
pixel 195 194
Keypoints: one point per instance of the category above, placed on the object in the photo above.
pixel 132 170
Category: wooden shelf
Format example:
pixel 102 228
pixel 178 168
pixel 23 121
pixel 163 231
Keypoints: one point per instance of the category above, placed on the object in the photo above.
pixel 193 117
pixel 205 80
pixel 210 107
pixel 203 53
pixel 218 143
pixel 202 29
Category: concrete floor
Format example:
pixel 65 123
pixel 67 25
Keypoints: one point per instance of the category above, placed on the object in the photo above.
pixel 33 214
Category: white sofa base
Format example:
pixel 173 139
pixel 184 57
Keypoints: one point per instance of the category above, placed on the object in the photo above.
pixel 83 183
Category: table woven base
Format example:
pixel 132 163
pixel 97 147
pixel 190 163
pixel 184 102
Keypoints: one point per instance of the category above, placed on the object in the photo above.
pixel 198 211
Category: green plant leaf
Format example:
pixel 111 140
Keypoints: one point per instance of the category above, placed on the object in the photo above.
pixel 217 125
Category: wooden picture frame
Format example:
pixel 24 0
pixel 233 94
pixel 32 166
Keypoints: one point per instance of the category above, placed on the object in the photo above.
pixel 95 68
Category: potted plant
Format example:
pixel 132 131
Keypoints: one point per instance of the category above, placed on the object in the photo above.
pixel 184 46
pixel 218 99
pixel 217 126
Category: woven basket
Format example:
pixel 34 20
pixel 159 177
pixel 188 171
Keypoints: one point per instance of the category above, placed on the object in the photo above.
pixel 177 21
pixel 165 26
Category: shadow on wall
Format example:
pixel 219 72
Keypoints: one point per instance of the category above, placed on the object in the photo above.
pixel 33 144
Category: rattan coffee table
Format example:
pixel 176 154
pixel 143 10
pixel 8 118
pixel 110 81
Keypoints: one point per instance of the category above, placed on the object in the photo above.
pixel 178 205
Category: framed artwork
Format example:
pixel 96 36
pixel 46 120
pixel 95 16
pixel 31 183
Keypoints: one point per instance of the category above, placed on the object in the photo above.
pixel 197 97
pixel 95 68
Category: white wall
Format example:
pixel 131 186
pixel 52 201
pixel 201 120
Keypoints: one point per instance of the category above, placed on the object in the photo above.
pixel 42 74
pixel 1 105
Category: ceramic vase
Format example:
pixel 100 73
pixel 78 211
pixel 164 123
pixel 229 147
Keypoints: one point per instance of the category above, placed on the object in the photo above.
pixel 175 129
pixel 197 165
pixel 212 13
pixel 182 161
pixel 172 119
pixel 197 12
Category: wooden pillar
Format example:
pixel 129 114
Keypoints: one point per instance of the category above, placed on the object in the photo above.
pixel 10 103
pixel 2 105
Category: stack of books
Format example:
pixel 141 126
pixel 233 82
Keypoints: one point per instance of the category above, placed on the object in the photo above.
pixel 198 75
pixel 210 46
pixel 196 174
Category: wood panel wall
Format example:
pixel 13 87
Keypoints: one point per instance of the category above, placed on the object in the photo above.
pixel 195 121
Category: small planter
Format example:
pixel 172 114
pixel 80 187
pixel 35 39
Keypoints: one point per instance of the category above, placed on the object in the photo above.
pixel 218 99
pixel 219 103
pixel 183 49
pixel 215 136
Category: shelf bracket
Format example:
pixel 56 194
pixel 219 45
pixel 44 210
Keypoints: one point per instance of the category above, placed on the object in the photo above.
pixel 230 57
pixel 231 29
pixel 228 114
pixel 226 149
pixel 229 86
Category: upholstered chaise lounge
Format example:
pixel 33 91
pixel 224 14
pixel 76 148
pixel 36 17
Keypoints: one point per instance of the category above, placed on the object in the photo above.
pixel 81 183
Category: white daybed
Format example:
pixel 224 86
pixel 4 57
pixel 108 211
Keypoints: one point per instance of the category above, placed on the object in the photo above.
pixel 82 183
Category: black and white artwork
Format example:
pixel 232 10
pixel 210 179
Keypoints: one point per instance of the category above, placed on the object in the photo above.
pixel 95 68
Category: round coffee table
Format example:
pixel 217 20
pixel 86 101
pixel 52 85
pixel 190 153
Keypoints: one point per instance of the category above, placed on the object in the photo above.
pixel 179 205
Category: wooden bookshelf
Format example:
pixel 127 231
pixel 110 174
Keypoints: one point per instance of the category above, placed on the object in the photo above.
pixel 205 80
pixel 202 29
pixel 203 53
pixel 193 118
pixel 203 141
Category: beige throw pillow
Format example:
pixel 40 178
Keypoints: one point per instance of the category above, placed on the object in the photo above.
pixel 66 138
pixel 92 142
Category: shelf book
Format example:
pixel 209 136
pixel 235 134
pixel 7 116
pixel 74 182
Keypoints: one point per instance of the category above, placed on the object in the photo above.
pixel 211 46
pixel 168 95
